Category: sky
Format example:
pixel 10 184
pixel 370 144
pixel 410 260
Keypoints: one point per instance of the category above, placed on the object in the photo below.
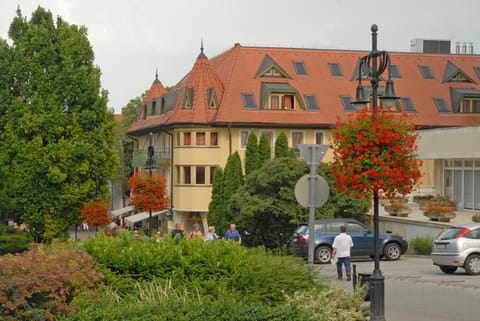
pixel 133 39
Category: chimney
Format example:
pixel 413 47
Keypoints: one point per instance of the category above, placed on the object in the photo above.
pixel 457 48
pixel 464 48
pixel 470 48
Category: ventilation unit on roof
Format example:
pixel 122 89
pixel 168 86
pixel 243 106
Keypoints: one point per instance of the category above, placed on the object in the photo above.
pixel 430 46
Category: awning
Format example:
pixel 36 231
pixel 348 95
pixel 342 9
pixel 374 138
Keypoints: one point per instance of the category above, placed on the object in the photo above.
pixel 121 211
pixel 130 220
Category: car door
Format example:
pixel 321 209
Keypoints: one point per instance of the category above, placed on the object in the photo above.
pixel 362 239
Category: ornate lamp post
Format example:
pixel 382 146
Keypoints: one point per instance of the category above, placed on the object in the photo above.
pixel 150 165
pixel 373 65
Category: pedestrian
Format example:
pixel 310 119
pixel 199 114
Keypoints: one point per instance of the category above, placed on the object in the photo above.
pixel 85 226
pixel 112 228
pixel 196 233
pixel 341 252
pixel 178 233
pixel 211 235
pixel 159 236
pixel 233 234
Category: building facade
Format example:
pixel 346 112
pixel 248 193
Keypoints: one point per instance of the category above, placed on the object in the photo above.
pixel 209 113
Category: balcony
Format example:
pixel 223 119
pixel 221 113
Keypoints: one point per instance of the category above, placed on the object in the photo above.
pixel 162 156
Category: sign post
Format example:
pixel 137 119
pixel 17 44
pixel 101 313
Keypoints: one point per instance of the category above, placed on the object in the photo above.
pixel 317 186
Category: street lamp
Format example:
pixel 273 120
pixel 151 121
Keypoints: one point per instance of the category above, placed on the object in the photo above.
pixel 150 165
pixel 373 65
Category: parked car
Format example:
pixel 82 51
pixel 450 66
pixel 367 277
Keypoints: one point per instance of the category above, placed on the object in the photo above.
pixel 391 246
pixel 458 246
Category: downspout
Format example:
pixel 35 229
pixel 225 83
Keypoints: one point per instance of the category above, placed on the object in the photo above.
pixel 135 145
pixel 171 172
pixel 229 139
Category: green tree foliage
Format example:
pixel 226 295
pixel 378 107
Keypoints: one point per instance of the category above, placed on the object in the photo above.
pixel 251 154
pixel 57 131
pixel 216 206
pixel 281 146
pixel 264 150
pixel 232 180
pixel 340 204
pixel 266 208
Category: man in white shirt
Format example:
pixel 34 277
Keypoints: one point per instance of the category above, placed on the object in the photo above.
pixel 341 251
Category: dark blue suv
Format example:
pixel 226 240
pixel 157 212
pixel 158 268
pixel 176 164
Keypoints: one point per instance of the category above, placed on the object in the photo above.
pixel 391 246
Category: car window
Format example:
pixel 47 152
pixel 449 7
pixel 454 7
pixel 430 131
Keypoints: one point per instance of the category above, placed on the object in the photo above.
pixel 356 228
pixel 449 233
pixel 319 227
pixel 475 234
pixel 333 227
pixel 301 230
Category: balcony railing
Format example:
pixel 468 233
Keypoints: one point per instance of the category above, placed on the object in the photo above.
pixel 162 156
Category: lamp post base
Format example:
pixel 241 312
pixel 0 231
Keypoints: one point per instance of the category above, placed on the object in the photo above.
pixel 377 296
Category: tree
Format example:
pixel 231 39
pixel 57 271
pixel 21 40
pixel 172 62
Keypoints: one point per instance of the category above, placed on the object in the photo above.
pixel 281 146
pixel 373 151
pixel 232 180
pixel 251 154
pixel 217 206
pixel 57 135
pixel 265 208
pixel 264 150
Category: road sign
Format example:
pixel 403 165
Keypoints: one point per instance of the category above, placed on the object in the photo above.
pixel 321 191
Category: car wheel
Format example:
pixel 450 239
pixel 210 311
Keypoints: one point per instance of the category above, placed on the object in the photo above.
pixel 448 269
pixel 392 251
pixel 472 264
pixel 323 254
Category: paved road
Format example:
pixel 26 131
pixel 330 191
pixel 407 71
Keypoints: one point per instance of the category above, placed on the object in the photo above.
pixel 415 290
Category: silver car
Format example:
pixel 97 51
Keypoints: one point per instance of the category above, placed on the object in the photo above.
pixel 458 246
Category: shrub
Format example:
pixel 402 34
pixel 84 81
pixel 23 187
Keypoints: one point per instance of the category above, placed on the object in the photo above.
pixel 14 242
pixel 49 278
pixel 421 245
pixel 197 280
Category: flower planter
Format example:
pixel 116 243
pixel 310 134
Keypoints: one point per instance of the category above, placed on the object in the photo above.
pixel 441 217
pixel 423 204
pixel 401 212
pixel 476 218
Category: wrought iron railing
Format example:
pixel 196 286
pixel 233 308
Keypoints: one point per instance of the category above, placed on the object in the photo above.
pixel 162 156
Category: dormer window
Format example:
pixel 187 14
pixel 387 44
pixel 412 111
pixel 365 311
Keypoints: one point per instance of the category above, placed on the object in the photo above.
pixel 465 100
pixel 188 99
pixel 212 98
pixel 455 74
pixel 154 108
pixel 269 68
pixel 280 96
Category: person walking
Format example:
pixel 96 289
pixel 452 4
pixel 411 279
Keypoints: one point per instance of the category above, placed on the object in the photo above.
pixel 233 234
pixel 341 252
pixel 196 233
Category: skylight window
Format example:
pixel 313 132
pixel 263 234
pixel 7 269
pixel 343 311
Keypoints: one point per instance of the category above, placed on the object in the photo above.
pixel 347 103
pixel 426 72
pixel 408 105
pixel 248 100
pixel 311 102
pixel 335 69
pixel 441 105
pixel 300 68
pixel 394 72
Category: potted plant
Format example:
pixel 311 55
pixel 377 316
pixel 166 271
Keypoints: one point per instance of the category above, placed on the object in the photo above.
pixel 441 209
pixel 476 217
pixel 398 208
pixel 423 200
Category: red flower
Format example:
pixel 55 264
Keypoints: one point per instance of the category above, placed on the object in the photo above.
pixel 96 212
pixel 383 156
pixel 148 192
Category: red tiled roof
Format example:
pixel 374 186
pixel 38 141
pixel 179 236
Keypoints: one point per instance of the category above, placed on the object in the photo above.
pixel 234 72
pixel 156 90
